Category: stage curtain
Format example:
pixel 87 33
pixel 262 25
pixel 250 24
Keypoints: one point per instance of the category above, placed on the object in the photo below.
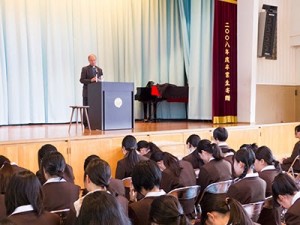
pixel 225 62
pixel 45 43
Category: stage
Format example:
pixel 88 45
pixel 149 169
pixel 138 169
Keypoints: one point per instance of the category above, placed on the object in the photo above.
pixel 21 143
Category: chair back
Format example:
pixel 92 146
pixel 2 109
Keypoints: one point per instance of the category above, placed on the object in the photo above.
pixel 291 169
pixel 127 182
pixel 253 210
pixel 63 214
pixel 185 193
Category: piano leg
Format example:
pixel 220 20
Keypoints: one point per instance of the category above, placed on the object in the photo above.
pixel 154 111
pixel 145 111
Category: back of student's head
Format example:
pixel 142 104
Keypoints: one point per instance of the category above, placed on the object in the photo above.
pixel 247 157
pixel 193 140
pixel 283 184
pixel 297 129
pixel 142 144
pixel 221 204
pixel 169 160
pixel 101 208
pixel 88 159
pixel 266 154
pixel 147 175
pixel 220 134
pixel 252 146
pixel 3 160
pixel 54 164
pixel 154 148
pixel 99 172
pixel 6 173
pixel 130 145
pixel 211 148
pixel 166 210
pixel 24 188
pixel 45 149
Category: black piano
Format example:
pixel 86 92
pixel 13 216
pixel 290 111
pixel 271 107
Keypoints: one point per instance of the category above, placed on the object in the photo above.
pixel 150 96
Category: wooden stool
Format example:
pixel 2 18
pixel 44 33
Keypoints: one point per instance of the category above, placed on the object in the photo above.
pixel 81 109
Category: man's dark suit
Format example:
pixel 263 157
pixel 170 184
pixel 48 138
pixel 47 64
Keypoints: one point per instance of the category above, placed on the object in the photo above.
pixel 88 73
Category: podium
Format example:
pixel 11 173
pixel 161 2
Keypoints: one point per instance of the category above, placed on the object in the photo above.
pixel 111 105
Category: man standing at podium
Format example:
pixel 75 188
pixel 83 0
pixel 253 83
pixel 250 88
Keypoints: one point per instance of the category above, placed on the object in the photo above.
pixel 89 74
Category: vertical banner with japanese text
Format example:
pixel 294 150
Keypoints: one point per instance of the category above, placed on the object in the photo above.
pixel 224 88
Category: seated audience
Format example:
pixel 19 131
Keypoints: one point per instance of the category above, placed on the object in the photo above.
pixel 193 157
pixel 250 187
pixel 101 208
pixel 45 149
pixel 53 165
pixel 219 210
pixel 6 172
pixel 24 201
pixel 220 135
pixel 15 167
pixel 146 177
pixel 131 158
pixel 286 193
pixel 166 210
pixel 287 162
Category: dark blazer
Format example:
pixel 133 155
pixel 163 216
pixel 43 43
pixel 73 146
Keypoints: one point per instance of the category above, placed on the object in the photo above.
pixel 268 176
pixel 292 216
pixel 2 207
pixel 248 190
pixel 116 186
pixel 68 175
pixel 139 211
pixel 87 73
pixel 59 195
pixel 214 171
pixel 194 159
pixel 288 161
pixel 31 218
pixel 123 169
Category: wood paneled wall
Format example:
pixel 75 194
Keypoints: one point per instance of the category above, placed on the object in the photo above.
pixel 279 137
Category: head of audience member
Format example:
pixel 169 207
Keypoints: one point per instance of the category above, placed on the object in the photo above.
pixel 166 160
pixel 284 189
pixel 297 131
pixel 101 208
pixel 146 177
pixel 88 159
pixel 220 134
pixel 129 146
pixel 143 147
pixel 6 173
pixel 264 157
pixel 6 221
pixel 97 175
pixel 253 146
pixel 208 151
pixel 24 188
pixel 153 147
pixel 3 160
pixel 166 210
pixel 53 165
pixel 243 162
pixel 219 210
pixel 192 142
pixel 45 149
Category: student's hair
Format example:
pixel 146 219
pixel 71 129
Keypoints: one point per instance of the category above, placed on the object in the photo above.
pixel 220 134
pixel 6 172
pixel 147 175
pixel 266 154
pixel 170 161
pixel 142 144
pixel 212 148
pixel 246 156
pixel 154 148
pixel 54 164
pixel 88 159
pixel 130 145
pixel 283 184
pixel 45 149
pixel 6 221
pixel 99 172
pixel 297 128
pixel 24 188
pixel 222 204
pixel 101 208
pixel 252 146
pixel 166 210
pixel 193 140
pixel 3 160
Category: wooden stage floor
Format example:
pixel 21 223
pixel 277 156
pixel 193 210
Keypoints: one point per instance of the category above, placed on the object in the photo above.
pixel 50 132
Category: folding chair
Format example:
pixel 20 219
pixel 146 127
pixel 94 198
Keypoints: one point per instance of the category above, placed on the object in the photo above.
pixel 291 169
pixel 129 190
pixel 253 209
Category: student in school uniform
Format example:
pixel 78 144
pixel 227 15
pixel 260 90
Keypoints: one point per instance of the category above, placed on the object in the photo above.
pixel 6 173
pixel 24 201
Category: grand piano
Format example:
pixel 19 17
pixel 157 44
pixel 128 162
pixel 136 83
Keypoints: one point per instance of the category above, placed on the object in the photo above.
pixel 153 94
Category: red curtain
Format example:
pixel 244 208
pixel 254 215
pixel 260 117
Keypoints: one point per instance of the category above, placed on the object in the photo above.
pixel 225 62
